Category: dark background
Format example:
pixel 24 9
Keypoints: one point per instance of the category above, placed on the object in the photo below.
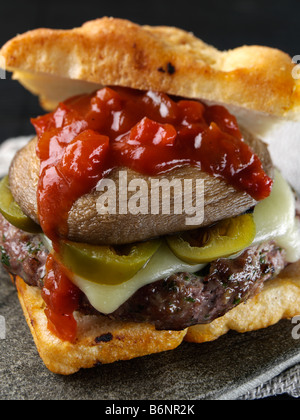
pixel 223 23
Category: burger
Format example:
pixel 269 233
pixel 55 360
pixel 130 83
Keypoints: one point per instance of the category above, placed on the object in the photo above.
pixel 147 209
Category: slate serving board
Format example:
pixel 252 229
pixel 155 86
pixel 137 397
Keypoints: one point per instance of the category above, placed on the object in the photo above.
pixel 224 369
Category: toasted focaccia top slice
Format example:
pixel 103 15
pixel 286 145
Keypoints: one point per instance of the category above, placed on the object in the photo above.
pixel 57 64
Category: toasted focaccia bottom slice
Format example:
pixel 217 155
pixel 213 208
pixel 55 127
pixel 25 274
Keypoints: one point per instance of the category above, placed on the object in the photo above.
pixel 101 340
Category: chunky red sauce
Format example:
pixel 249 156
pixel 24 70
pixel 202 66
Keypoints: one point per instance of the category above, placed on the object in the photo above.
pixel 62 298
pixel 87 136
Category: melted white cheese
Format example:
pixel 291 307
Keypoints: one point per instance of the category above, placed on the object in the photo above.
pixel 275 219
pixel 107 299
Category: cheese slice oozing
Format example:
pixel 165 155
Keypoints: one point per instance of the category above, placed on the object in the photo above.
pixel 107 299
pixel 275 219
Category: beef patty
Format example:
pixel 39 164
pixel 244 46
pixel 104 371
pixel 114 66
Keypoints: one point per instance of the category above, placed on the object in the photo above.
pixel 174 303
pixel 184 299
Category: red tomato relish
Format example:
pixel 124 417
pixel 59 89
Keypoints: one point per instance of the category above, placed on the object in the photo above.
pixel 87 136
pixel 62 298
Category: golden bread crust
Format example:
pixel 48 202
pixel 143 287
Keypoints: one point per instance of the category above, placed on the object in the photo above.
pixel 279 299
pixel 111 51
pixel 92 347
